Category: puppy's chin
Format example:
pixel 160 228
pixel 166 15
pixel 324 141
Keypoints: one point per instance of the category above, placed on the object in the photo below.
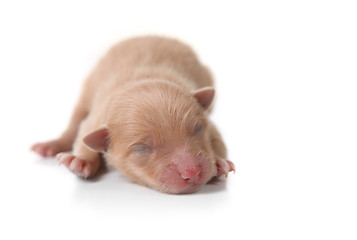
pixel 182 190
pixel 179 187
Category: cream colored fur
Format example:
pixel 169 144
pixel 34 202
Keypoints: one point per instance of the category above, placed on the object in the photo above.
pixel 142 92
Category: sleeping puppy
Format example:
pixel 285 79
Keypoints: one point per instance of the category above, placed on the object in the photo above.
pixel 144 110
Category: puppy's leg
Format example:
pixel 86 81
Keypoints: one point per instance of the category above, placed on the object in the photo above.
pixel 84 105
pixel 65 141
pixel 84 161
pixel 224 166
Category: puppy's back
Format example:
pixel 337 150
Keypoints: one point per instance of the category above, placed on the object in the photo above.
pixel 153 52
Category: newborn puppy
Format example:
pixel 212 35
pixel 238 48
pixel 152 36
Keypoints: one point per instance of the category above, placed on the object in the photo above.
pixel 144 109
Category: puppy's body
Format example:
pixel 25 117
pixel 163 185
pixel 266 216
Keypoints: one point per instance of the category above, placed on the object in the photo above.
pixel 144 107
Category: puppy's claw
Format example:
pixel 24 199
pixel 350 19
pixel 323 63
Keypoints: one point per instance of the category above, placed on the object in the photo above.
pixel 224 167
pixel 80 167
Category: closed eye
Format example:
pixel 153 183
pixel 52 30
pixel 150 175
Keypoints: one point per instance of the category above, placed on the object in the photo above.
pixel 142 149
pixel 198 129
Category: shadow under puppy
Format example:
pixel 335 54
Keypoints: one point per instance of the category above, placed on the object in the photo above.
pixel 144 107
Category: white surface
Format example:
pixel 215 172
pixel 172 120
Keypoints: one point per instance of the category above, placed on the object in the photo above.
pixel 286 76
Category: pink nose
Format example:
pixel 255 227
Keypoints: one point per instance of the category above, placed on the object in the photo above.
pixel 191 173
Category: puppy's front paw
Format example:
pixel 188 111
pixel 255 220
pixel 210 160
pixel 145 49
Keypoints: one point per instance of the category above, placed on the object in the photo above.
pixel 48 149
pixel 80 167
pixel 224 166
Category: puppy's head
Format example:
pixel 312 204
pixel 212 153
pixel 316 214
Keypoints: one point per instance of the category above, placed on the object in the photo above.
pixel 158 136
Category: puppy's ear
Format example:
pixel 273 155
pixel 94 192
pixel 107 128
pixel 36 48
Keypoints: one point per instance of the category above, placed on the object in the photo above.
pixel 204 96
pixel 98 140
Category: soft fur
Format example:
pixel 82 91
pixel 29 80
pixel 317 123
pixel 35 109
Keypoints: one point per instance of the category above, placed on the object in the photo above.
pixel 145 108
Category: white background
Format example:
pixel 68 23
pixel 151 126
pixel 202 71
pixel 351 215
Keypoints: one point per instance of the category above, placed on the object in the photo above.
pixel 286 76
